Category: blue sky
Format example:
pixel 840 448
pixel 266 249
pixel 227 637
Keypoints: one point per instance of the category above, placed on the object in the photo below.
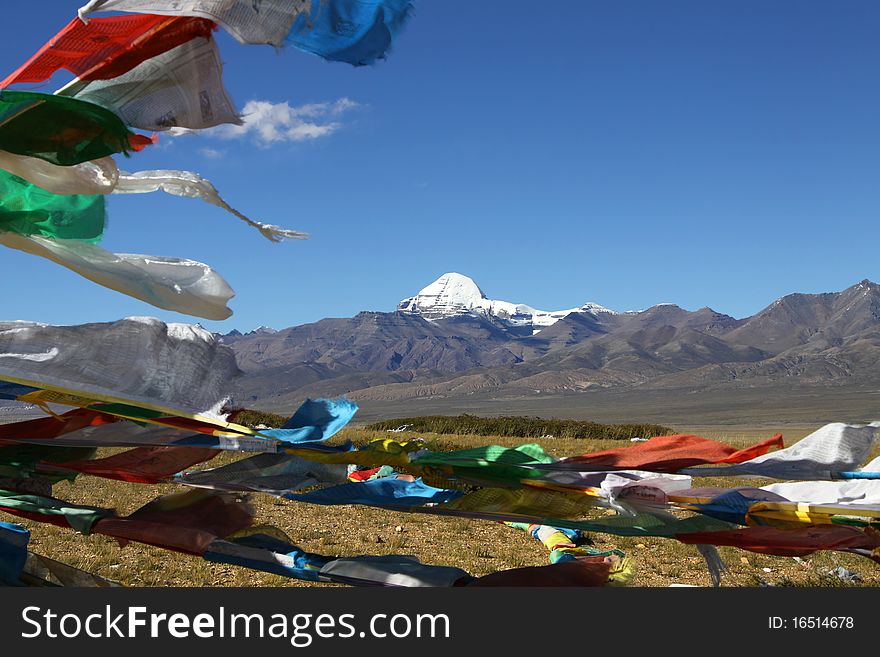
pixel 629 153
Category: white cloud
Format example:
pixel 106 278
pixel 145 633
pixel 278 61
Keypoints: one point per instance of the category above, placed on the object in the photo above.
pixel 212 153
pixel 269 123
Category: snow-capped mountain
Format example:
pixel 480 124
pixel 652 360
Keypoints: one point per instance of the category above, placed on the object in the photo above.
pixel 454 294
pixel 450 342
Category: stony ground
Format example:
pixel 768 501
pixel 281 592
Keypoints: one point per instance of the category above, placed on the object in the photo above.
pixel 480 547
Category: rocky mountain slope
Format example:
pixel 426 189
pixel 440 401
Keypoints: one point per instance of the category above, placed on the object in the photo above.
pixel 450 340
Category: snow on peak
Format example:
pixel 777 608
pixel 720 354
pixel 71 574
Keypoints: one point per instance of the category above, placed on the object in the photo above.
pixel 262 330
pixel 451 294
pixel 455 294
pixel 596 308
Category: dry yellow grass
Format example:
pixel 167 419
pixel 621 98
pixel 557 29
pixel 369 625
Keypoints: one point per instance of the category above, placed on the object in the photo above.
pixel 480 547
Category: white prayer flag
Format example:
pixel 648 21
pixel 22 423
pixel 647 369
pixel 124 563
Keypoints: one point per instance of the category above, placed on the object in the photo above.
pixel 249 21
pixel 184 286
pixel 181 88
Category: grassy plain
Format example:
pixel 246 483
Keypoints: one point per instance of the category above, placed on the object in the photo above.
pixel 478 546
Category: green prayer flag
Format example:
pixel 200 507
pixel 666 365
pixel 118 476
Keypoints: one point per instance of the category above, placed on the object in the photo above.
pixel 490 463
pixel 77 516
pixel 30 210
pixel 21 460
pixel 61 130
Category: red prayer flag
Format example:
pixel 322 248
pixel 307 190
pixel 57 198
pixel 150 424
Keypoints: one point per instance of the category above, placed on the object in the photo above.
pixel 186 523
pixel 144 465
pixel 789 542
pixel 52 427
pixel 105 48
pixel 362 475
pixel 672 453
pixel 57 520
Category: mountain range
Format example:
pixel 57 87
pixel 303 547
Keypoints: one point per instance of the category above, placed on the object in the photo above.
pixel 451 343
